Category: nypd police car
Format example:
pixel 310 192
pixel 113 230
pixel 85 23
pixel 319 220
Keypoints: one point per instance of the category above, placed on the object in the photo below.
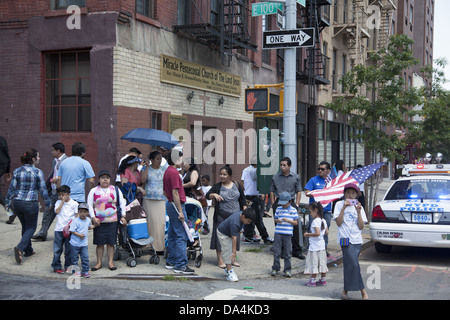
pixel 415 210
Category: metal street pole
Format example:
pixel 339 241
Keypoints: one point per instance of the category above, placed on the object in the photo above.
pixel 289 117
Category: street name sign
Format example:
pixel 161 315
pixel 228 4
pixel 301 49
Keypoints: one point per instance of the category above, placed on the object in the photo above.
pixel 263 8
pixel 281 21
pixel 288 38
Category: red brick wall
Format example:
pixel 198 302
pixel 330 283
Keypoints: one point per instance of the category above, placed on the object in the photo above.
pixel 166 12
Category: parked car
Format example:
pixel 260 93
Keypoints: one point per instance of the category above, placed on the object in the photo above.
pixel 415 210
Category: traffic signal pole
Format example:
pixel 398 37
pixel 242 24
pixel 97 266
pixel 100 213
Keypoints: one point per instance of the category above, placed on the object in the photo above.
pixel 289 112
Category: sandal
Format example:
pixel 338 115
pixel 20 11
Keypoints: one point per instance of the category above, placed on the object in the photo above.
pixel 18 254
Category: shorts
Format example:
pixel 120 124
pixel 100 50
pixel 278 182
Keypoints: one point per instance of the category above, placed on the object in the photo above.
pixel 227 247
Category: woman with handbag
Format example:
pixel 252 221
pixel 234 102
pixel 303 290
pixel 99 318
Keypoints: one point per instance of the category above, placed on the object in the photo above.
pixel 26 183
pixel 154 200
pixel 229 198
pixel 107 204
pixel 350 219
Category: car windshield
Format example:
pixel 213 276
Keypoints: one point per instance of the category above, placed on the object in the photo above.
pixel 438 189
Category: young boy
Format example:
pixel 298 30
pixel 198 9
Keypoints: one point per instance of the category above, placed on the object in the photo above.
pixel 228 232
pixel 286 217
pixel 66 210
pixel 79 241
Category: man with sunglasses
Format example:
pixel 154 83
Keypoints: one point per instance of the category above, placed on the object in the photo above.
pixel 315 183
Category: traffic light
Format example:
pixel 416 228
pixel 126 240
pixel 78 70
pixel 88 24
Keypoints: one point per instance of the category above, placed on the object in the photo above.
pixel 257 100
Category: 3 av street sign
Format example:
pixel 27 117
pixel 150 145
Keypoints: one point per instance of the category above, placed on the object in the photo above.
pixel 288 38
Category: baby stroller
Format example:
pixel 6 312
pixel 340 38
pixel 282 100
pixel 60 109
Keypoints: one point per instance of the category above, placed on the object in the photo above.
pixel 134 238
pixel 194 250
pixel 195 221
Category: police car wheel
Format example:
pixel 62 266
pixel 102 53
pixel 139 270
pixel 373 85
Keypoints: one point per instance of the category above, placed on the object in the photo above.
pixel 382 248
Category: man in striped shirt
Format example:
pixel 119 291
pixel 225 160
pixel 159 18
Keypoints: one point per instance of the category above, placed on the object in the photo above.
pixel 286 217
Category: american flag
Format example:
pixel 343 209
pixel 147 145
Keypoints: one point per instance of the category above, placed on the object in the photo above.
pixel 335 188
pixel 331 176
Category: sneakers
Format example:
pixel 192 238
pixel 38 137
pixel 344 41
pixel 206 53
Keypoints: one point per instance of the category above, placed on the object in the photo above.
pixel 268 240
pixel 274 273
pixel 169 266
pixel 59 271
pixel 231 276
pixel 186 270
pixel 86 275
pixel 311 283
pixel 254 239
pixel 322 282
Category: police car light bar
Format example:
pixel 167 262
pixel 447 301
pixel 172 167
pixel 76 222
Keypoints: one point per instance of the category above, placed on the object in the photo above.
pixel 416 169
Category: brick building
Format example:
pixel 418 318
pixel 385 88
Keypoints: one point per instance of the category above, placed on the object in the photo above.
pixel 97 72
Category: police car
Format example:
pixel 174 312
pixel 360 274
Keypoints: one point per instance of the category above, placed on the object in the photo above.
pixel 415 211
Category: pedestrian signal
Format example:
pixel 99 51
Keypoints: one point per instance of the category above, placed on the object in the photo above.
pixel 257 100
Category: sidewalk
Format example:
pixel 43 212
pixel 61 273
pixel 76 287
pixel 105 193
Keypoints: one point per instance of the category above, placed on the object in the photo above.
pixel 255 259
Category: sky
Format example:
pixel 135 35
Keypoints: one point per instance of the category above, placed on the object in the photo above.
pixel 441 41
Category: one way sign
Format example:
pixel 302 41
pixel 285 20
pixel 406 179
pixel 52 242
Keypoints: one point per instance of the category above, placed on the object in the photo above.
pixel 288 38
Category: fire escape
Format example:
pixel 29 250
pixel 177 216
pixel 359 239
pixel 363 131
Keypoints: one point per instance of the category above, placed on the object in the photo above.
pixel 312 72
pixel 387 9
pixel 224 24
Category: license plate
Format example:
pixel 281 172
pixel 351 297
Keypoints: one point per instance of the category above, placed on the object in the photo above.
pixel 421 218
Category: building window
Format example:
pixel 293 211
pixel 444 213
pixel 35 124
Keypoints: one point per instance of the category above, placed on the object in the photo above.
pixel 325 60
pixel 156 120
pixel 406 12
pixel 215 12
pixel 344 67
pixel 333 70
pixel 320 130
pixel 146 8
pixel 184 12
pixel 411 14
pixel 64 4
pixel 67 91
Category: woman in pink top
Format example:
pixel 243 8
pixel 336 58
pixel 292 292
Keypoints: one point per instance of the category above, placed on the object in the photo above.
pixel 129 173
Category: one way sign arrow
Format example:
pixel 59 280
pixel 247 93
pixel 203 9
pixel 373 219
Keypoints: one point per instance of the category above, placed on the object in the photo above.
pixel 288 38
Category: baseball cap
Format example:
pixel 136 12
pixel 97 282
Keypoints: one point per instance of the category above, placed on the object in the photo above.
pixel 83 205
pixel 284 198
pixel 352 186
pixel 104 172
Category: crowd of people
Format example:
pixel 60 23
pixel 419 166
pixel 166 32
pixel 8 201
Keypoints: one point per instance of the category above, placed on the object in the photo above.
pixel 161 186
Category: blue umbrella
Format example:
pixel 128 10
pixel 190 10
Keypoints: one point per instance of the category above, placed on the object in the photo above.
pixel 153 137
